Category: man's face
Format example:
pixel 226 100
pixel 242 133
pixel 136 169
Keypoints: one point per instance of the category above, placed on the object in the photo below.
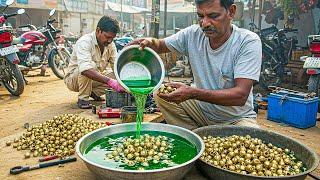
pixel 214 19
pixel 104 38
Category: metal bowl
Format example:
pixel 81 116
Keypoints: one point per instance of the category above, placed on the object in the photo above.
pixel 175 172
pixel 302 152
pixel 131 63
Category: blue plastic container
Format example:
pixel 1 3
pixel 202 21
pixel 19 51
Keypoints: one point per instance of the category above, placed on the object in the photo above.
pixel 292 109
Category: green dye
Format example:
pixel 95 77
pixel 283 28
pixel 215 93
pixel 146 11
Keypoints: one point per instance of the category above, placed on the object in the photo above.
pixel 182 151
pixel 140 100
pixel 140 88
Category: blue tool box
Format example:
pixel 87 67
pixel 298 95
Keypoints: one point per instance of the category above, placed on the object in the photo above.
pixel 292 108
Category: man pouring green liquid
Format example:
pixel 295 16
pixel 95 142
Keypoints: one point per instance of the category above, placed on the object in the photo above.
pixel 225 62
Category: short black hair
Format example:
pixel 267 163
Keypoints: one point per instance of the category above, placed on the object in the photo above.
pixel 108 24
pixel 224 3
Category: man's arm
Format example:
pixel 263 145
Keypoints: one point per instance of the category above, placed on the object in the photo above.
pixel 95 75
pixel 246 71
pixel 236 96
pixel 157 45
pixel 113 54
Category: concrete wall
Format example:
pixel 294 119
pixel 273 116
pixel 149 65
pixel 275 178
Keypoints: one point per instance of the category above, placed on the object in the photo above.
pixel 73 22
pixel 38 17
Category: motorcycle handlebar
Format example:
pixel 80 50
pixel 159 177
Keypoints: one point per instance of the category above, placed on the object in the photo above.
pixel 32 27
pixel 10 15
pixel 23 26
pixel 290 30
pixel 268 31
pixel 58 31
pixel 51 21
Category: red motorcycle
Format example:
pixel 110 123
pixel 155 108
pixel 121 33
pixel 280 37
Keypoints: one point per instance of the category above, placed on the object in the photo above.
pixel 39 48
pixel 10 74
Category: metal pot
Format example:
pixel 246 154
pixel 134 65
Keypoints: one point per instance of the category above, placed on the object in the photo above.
pixel 132 63
pixel 302 152
pixel 128 114
pixel 103 172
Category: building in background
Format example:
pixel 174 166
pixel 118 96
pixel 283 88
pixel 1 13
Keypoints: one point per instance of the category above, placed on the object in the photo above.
pixel 81 16
pixel 180 14
pixel 132 14
pixel 37 11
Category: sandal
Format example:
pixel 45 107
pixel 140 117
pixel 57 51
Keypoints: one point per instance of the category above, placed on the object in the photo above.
pixel 96 97
pixel 83 104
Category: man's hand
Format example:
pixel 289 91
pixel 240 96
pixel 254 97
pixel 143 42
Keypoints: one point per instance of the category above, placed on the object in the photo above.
pixel 182 93
pixel 157 45
pixel 146 42
pixel 114 84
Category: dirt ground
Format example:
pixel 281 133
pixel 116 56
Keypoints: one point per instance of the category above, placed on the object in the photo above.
pixel 45 97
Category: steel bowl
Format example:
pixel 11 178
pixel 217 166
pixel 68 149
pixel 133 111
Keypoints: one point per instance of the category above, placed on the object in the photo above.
pixel 302 152
pixel 103 172
pixel 132 63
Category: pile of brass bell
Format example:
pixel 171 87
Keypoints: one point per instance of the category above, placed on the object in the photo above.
pixel 165 89
pixel 143 151
pixel 57 136
pixel 247 155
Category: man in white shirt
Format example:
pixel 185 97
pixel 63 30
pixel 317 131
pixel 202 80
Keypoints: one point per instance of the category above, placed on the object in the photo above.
pixel 88 67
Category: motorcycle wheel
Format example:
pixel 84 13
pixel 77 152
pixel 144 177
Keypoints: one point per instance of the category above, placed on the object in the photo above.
pixel 269 75
pixel 13 80
pixel 313 84
pixel 57 65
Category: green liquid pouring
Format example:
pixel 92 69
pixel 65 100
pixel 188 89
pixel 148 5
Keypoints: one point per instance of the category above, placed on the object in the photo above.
pixel 181 152
pixel 140 88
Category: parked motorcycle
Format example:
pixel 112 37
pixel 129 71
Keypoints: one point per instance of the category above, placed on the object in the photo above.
pixel 312 64
pixel 10 74
pixel 276 51
pixel 35 44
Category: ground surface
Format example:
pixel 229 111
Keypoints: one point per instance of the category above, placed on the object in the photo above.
pixel 45 97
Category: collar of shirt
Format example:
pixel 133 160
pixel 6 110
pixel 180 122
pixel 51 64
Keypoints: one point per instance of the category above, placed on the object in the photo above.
pixel 95 41
pixel 94 37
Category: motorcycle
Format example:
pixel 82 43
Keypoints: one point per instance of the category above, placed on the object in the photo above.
pixel 10 74
pixel 40 47
pixel 312 64
pixel 276 51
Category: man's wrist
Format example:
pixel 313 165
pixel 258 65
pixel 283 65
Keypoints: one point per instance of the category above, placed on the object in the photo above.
pixel 192 93
pixel 106 80
pixel 155 42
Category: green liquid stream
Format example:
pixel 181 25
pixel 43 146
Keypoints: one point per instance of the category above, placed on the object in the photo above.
pixel 140 88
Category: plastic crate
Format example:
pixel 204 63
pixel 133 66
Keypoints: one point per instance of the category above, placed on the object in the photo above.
pixel 118 100
pixel 292 109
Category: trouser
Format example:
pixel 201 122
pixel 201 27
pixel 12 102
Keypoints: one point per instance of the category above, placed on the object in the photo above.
pixel 189 115
pixel 84 85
